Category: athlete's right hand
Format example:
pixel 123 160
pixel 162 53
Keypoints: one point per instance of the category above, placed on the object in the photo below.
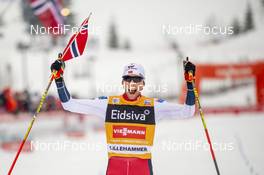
pixel 57 68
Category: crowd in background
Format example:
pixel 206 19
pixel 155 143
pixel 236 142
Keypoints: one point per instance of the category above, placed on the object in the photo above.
pixel 16 102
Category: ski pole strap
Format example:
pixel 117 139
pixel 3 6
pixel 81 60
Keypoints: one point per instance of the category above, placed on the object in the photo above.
pixel 190 97
pixel 62 90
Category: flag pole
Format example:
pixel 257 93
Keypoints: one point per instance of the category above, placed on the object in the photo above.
pixel 44 95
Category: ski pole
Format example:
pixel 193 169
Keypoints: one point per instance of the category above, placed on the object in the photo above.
pixel 205 128
pixel 204 123
pixel 45 95
pixel 31 125
pixel 42 100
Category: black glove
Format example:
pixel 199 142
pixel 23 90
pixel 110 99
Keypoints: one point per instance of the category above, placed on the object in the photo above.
pixel 189 68
pixel 57 69
pixel 57 65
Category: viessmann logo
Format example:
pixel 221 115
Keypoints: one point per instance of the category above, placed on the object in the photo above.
pixel 136 132
pixel 129 115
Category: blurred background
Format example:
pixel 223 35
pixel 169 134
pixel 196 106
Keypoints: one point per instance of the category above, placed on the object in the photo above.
pixel 223 38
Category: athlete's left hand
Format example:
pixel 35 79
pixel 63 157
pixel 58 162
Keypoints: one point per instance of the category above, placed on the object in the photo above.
pixel 189 70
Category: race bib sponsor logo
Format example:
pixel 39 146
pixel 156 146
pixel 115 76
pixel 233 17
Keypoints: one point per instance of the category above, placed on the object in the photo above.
pixel 129 115
pixel 128 149
pixel 136 132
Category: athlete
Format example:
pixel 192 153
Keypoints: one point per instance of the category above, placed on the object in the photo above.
pixel 129 118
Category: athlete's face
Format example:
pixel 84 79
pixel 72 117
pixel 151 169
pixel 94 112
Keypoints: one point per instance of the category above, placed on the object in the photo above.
pixel 133 83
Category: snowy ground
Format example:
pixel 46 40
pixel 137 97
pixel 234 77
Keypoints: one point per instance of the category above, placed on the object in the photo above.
pixel 180 148
pixel 238 138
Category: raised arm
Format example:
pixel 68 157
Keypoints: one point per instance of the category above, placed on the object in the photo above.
pixel 95 107
pixel 165 110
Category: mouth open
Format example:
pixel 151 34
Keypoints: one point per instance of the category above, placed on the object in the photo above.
pixel 132 91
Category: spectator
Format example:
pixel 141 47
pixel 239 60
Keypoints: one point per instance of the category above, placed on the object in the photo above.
pixel 26 102
pixel 9 101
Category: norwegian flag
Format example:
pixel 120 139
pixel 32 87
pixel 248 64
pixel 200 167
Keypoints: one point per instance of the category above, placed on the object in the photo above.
pixel 77 42
pixel 49 13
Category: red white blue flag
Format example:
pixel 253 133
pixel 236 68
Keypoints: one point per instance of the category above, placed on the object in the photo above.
pixel 49 13
pixel 77 42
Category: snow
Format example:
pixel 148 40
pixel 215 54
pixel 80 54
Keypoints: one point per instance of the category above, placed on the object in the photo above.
pixel 142 23
pixel 180 147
